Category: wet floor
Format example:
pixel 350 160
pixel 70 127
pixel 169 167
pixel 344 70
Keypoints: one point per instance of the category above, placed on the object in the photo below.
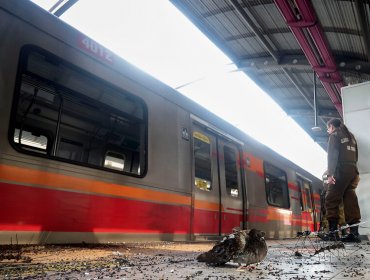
pixel 288 259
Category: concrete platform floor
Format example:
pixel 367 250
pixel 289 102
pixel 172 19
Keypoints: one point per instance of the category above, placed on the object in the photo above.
pixel 174 260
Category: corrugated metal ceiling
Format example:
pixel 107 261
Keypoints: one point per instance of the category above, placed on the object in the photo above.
pixel 260 37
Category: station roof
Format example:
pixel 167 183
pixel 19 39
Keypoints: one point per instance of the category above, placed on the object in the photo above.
pixel 300 52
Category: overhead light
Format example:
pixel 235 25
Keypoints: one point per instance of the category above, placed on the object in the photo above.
pixel 316 129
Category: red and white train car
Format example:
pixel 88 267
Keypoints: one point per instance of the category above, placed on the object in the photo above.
pixel 94 150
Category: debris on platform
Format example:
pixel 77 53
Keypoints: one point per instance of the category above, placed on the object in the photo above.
pixel 177 260
pixel 241 246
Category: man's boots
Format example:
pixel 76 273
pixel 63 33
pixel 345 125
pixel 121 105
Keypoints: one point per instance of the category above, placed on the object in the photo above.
pixel 333 231
pixel 353 235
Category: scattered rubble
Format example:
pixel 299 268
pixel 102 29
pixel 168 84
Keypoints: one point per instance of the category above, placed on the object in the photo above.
pixel 173 260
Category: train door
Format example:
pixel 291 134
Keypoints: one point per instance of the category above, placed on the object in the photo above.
pixel 217 195
pixel 308 211
pixel 230 185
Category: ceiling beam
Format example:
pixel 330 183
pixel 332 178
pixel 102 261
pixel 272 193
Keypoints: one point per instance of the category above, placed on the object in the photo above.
pixel 280 30
pixel 360 8
pixel 355 66
pixel 309 35
pixel 56 5
pixel 291 86
pixel 62 9
pixel 298 61
pixel 251 3
pixel 290 61
pixel 299 98
pixel 325 113
pixel 239 9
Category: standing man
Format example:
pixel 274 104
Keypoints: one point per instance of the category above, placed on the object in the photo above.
pixel 323 219
pixel 342 180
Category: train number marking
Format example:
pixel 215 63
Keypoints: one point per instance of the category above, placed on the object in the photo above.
pixel 94 48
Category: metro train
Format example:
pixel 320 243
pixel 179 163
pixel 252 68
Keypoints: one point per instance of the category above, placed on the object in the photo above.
pixel 93 150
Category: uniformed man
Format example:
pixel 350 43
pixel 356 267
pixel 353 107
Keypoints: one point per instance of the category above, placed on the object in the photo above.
pixel 342 179
pixel 324 225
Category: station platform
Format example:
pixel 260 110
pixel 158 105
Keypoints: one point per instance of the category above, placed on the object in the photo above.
pixel 291 259
pixel 286 259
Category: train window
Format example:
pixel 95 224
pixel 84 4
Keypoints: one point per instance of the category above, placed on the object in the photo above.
pixel 276 186
pixel 30 140
pixel 202 162
pixel 231 172
pixel 305 193
pixel 87 121
pixel 114 160
pixel 299 183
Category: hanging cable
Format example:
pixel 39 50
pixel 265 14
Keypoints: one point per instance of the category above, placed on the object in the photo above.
pixel 315 128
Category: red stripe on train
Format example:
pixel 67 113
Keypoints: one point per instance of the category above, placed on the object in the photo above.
pixel 207 222
pixel 31 208
pixel 293 187
pixel 234 209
